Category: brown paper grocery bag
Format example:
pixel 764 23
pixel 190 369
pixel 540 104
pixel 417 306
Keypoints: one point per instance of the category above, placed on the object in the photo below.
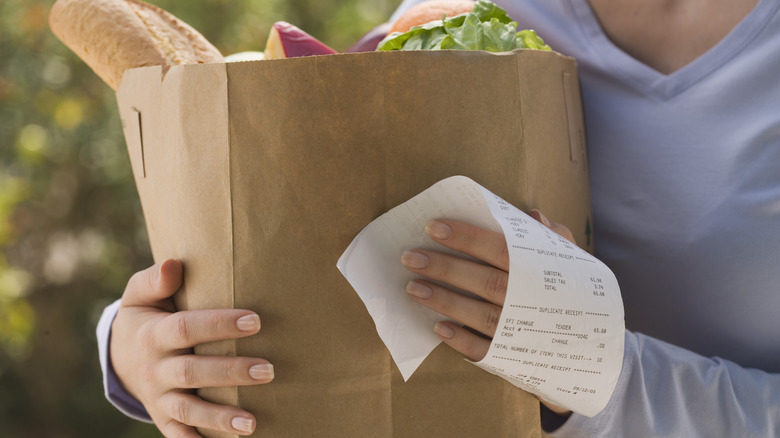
pixel 257 175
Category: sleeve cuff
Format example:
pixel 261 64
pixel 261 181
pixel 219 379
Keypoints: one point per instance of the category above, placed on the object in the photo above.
pixel 114 391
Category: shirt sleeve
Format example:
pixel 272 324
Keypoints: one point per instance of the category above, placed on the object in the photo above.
pixel 666 391
pixel 115 392
pixel 403 7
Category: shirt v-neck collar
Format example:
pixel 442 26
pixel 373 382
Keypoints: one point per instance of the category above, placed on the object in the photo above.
pixel 663 85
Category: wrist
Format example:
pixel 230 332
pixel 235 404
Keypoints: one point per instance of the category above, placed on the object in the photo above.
pixel 552 416
pixel 561 412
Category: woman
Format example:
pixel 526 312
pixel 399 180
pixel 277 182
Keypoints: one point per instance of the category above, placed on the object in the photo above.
pixel 683 121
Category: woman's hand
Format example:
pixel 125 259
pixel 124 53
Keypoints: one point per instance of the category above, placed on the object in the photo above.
pixel 151 352
pixel 488 281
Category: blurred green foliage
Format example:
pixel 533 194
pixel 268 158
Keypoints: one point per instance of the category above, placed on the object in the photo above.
pixel 71 226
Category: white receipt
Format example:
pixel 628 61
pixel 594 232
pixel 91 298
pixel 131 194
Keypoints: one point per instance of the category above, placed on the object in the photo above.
pixel 561 331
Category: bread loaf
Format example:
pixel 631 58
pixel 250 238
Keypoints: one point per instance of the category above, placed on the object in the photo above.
pixel 429 11
pixel 112 36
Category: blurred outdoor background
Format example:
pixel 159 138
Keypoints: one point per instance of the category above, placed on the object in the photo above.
pixel 71 227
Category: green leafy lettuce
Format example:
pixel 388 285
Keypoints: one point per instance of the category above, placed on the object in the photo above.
pixel 487 27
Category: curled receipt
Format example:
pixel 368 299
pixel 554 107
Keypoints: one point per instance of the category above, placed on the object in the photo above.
pixel 561 331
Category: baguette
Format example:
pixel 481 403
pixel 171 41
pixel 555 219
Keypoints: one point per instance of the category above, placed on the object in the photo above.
pixel 112 36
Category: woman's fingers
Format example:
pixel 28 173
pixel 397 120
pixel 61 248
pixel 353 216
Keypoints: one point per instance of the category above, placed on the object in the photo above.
pixel 479 315
pixel 561 229
pixel 174 429
pixel 186 329
pixel 488 246
pixel 486 281
pixel 462 340
pixel 193 371
pixel 154 285
pixel 183 408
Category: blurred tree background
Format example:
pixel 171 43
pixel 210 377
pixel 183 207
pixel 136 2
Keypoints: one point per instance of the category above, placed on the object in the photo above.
pixel 71 227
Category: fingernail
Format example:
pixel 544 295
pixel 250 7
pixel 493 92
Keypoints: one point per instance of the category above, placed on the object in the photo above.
pixel 414 259
pixel 264 371
pixel 419 290
pixel 438 230
pixel 444 331
pixel 243 424
pixel 541 218
pixel 248 323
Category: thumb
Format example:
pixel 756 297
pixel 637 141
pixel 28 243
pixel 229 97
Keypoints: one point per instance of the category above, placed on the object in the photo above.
pixel 154 285
pixel 561 229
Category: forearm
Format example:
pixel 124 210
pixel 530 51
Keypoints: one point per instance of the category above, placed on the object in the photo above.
pixel 668 391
